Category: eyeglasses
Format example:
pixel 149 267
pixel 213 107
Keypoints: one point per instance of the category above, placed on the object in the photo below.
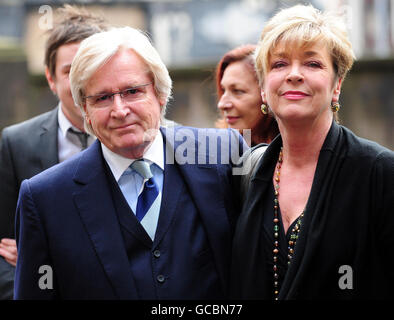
pixel 129 95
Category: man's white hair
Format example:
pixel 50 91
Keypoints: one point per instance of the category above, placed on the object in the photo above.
pixel 97 49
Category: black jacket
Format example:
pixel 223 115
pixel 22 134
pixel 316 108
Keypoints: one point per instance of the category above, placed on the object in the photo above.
pixel 7 273
pixel 26 148
pixel 348 221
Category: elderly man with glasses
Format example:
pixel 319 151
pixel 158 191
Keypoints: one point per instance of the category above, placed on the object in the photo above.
pixel 146 212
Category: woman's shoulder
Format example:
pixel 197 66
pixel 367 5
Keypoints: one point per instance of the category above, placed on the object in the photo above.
pixel 363 148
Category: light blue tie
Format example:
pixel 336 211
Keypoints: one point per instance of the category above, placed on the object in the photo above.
pixel 150 191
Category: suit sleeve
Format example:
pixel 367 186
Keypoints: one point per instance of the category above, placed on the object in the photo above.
pixel 34 278
pixel 8 189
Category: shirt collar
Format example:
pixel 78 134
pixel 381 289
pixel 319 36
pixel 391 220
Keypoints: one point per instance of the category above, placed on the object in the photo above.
pixel 118 164
pixel 64 123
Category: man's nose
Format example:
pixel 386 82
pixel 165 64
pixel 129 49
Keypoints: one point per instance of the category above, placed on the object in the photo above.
pixel 119 107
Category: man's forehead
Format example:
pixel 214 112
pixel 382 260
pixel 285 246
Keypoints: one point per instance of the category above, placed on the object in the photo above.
pixel 123 70
pixel 127 80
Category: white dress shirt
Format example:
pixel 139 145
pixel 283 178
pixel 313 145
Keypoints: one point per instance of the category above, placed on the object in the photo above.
pixel 68 143
pixel 132 184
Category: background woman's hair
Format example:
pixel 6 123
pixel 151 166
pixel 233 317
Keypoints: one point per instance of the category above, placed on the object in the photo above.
pixel 242 53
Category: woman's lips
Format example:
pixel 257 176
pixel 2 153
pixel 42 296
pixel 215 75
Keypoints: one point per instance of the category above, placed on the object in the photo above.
pixel 295 95
pixel 231 120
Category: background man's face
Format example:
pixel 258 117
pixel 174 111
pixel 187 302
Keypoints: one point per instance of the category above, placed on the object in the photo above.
pixel 60 83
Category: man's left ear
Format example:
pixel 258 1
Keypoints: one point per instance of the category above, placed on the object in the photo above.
pixel 86 113
pixel 51 81
pixel 162 102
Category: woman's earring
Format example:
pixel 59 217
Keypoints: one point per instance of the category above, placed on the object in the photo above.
pixel 264 108
pixel 335 106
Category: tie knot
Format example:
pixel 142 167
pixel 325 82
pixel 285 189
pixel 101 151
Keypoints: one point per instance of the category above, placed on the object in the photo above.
pixel 143 168
pixel 82 136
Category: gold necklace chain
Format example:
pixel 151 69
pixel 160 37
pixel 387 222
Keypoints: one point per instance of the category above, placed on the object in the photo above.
pixel 294 233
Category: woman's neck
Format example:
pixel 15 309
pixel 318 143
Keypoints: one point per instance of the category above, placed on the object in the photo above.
pixel 302 144
pixel 266 131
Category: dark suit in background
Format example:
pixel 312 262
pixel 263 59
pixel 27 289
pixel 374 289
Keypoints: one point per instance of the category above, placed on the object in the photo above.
pixel 26 149
pixel 7 273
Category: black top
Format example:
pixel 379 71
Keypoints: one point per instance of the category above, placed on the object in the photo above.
pixel 267 240
pixel 344 249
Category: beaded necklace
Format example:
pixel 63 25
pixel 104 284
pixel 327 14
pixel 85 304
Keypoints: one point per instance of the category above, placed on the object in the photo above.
pixel 294 232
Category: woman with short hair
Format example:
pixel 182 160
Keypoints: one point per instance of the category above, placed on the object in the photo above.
pixel 318 219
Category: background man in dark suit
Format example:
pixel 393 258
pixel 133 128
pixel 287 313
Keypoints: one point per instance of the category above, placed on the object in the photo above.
pixel 146 211
pixel 32 146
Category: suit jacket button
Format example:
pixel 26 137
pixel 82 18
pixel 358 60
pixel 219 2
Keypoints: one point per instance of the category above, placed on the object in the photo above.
pixel 156 253
pixel 160 278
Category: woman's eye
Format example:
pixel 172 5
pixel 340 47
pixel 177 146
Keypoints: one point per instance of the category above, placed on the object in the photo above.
pixel 278 64
pixel 314 64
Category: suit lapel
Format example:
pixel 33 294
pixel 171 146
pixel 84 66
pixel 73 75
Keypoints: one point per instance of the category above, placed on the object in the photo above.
pixel 170 200
pixel 94 202
pixel 48 140
pixel 206 191
pixel 204 184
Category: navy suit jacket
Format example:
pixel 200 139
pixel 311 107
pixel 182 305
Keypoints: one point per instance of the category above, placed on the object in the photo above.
pixel 66 219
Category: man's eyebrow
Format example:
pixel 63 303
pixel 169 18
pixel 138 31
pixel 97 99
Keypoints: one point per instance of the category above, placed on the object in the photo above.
pixel 109 91
pixel 66 66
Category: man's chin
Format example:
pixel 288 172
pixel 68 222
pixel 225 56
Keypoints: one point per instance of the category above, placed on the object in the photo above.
pixel 150 134
pixel 130 147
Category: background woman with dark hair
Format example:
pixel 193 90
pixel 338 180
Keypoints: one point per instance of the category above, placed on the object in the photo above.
pixel 239 96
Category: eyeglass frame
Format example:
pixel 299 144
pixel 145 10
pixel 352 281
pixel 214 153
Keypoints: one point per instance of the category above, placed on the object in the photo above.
pixel 112 94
